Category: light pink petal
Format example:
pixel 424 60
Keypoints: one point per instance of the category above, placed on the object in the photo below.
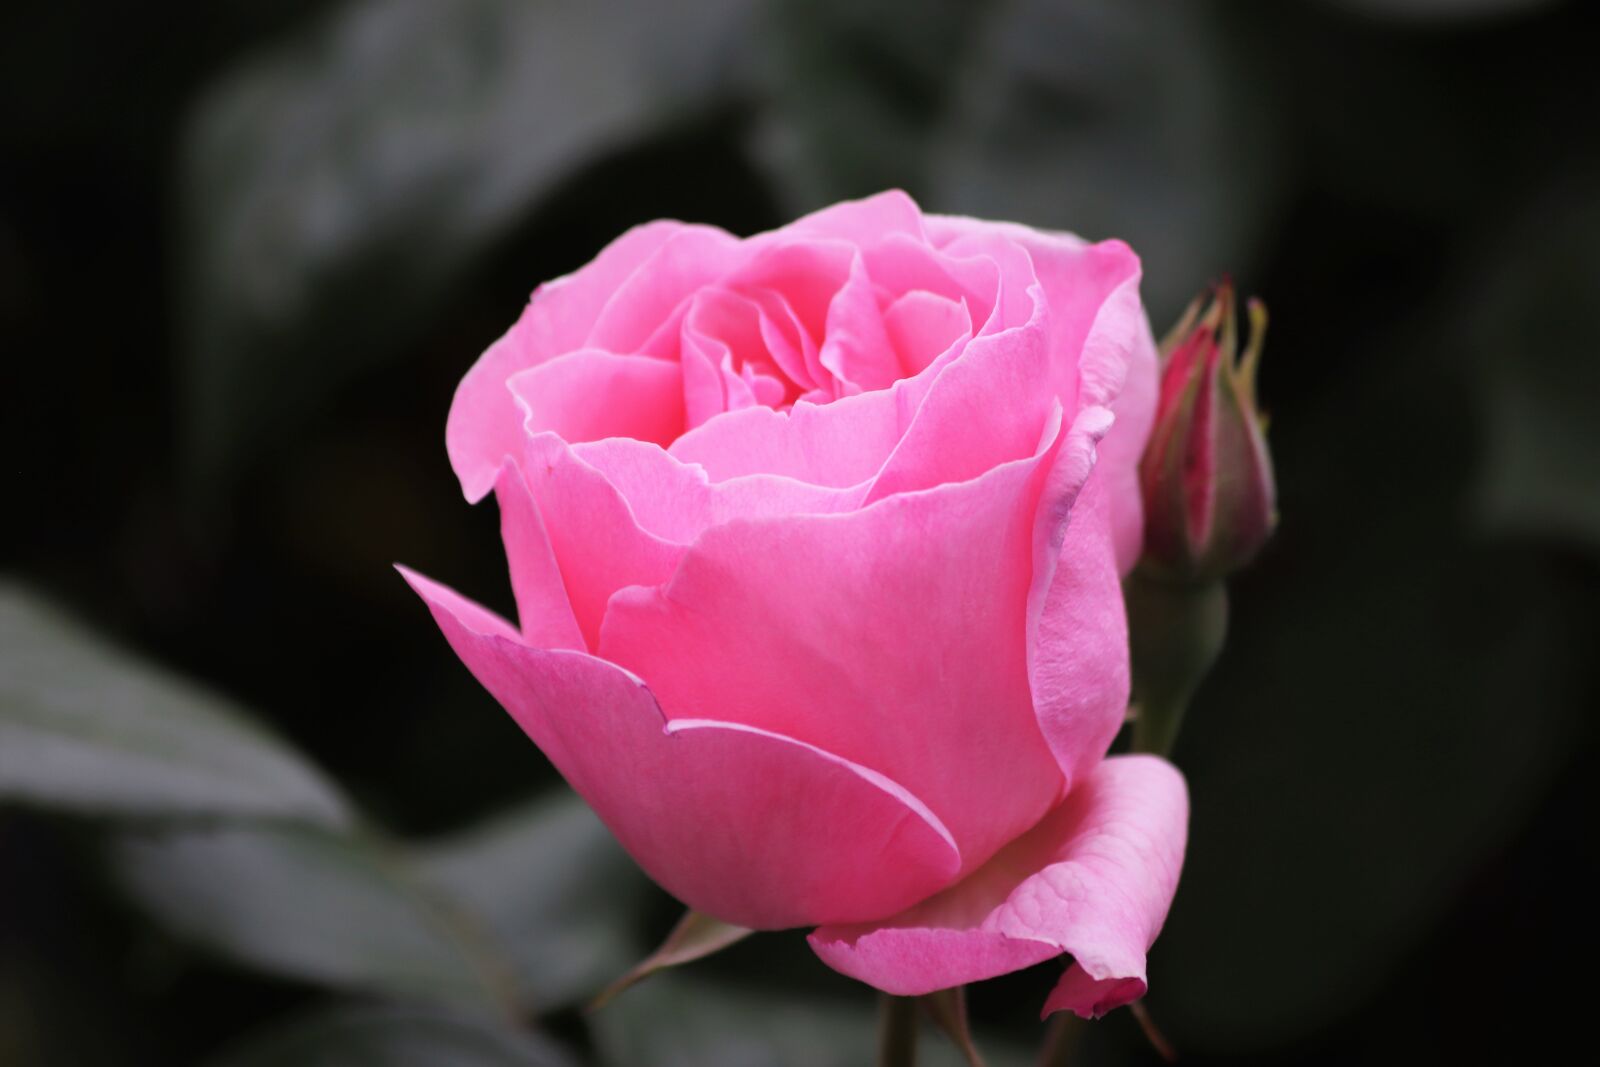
pixel 1094 879
pixel 988 405
pixel 894 636
pixel 863 221
pixel 1077 627
pixel 841 443
pixel 746 825
pixel 1098 323
pixel 1135 410
pixel 675 501
pixel 900 264
pixel 693 257
pixel 589 394
pixel 597 544
pixel 485 425
pixel 857 350
pixel 543 610
pixel 705 395
pixel 921 326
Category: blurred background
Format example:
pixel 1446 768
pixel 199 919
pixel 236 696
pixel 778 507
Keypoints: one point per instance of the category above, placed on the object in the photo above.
pixel 247 250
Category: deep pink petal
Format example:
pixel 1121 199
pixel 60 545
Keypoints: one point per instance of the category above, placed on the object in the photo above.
pixel 894 636
pixel 1094 879
pixel 746 825
pixel 589 394
pixel 485 425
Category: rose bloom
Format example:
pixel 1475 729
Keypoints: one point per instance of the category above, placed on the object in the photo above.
pixel 816 540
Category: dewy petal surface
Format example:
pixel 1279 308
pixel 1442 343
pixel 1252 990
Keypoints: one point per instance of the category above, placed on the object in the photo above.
pixel 893 636
pixel 1094 879
pixel 743 824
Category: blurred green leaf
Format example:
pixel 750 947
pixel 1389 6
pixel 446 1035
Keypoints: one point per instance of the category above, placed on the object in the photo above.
pixel 856 90
pixel 694 938
pixel 86 727
pixel 679 1021
pixel 339 184
pixel 1137 119
pixel 1538 390
pixel 304 904
pixel 393 1037
pixel 1112 118
pixel 553 889
pixel 1441 11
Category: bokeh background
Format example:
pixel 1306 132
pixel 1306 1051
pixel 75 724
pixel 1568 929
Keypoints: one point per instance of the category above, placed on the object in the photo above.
pixel 247 250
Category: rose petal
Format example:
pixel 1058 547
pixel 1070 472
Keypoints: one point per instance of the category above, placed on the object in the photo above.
pixel 640 305
pixel 1096 315
pixel 597 544
pixel 589 394
pixel 864 221
pixel 1095 879
pixel 485 425
pixel 987 405
pixel 1077 627
pixel 921 326
pixel 712 811
pixel 544 612
pixel 893 636
pixel 857 350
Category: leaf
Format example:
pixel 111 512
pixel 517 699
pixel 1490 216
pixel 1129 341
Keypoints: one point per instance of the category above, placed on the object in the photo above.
pixel 683 1021
pixel 856 90
pixel 308 905
pixel 339 185
pixel 695 937
pixel 550 885
pixel 1118 118
pixel 393 1037
pixel 1136 119
pixel 1538 389
pixel 88 728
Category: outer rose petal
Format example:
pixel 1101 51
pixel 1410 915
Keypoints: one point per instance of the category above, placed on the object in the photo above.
pixel 1096 315
pixel 1077 627
pixel 749 826
pixel 893 636
pixel 1095 879
pixel 485 424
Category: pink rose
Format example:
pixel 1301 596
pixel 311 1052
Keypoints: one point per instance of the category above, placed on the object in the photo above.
pixel 816 539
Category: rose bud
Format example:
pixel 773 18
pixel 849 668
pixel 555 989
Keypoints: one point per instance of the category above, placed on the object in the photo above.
pixel 816 539
pixel 1206 473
